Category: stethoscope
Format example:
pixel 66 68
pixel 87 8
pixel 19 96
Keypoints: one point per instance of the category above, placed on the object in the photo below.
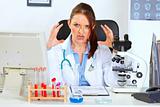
pixel 65 60
pixel 91 68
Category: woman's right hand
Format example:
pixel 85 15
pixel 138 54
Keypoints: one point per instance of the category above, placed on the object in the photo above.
pixel 53 36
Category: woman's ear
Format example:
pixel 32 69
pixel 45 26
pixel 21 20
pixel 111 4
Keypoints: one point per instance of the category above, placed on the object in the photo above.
pixel 69 23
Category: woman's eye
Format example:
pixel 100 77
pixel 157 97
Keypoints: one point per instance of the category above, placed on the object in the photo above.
pixel 76 25
pixel 87 26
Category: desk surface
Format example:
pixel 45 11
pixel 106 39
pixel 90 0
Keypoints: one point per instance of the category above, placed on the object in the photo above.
pixel 113 99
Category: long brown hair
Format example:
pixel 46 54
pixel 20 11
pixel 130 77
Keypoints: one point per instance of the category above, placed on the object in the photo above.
pixel 87 10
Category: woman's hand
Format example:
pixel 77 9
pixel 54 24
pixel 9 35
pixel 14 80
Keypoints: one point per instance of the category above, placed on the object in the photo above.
pixel 109 36
pixel 53 36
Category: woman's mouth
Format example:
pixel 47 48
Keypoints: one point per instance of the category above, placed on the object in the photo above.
pixel 80 37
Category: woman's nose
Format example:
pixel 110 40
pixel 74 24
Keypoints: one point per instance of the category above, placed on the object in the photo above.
pixel 81 30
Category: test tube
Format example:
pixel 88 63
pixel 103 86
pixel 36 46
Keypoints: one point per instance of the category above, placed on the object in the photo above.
pixel 36 92
pixel 44 92
pixel 42 86
pixel 58 87
pixel 44 80
pixel 41 77
pixel 35 84
pixel 53 86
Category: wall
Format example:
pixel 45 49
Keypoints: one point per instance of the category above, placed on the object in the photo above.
pixel 17 17
pixel 141 32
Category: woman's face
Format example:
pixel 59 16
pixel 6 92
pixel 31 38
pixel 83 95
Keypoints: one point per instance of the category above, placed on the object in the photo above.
pixel 80 28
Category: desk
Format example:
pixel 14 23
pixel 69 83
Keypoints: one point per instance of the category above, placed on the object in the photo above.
pixel 114 99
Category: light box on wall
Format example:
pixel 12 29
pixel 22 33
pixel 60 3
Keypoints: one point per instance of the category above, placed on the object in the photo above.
pixel 42 3
pixel 145 10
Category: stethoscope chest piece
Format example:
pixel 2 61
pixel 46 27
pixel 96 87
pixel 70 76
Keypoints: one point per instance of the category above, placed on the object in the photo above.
pixel 91 68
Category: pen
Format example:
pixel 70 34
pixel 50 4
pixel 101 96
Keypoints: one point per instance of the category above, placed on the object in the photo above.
pixel 70 89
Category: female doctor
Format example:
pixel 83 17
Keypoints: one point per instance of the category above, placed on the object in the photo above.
pixel 80 60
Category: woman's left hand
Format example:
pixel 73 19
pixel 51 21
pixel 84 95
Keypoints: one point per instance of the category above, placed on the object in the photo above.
pixel 53 36
pixel 109 36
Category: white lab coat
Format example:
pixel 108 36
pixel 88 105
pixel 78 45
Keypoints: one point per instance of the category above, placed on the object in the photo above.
pixel 101 74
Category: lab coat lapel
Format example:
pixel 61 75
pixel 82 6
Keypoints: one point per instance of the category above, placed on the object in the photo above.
pixel 90 74
pixel 70 57
pixel 66 46
pixel 89 62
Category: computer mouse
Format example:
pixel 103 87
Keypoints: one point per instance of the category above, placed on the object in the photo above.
pixel 153 89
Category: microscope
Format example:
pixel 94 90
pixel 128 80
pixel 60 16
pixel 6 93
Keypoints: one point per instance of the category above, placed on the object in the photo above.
pixel 130 69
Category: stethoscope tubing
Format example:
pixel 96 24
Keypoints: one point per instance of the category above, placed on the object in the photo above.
pixel 64 59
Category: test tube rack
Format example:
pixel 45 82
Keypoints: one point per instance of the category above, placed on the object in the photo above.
pixel 62 97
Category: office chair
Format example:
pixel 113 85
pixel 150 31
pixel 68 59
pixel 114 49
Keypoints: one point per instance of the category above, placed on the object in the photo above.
pixel 65 30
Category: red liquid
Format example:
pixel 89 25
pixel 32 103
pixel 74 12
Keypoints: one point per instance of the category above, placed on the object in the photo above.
pixel 45 92
pixel 42 92
pixel 53 86
pixel 58 92
pixel 36 92
pixel 53 92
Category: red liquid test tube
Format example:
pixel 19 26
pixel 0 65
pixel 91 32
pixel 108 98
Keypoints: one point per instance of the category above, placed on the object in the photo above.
pixel 58 87
pixel 58 92
pixel 42 91
pixel 45 92
pixel 53 87
pixel 36 91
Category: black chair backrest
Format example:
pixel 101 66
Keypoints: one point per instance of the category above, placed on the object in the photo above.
pixel 65 30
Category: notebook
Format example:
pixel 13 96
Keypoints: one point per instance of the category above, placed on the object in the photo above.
pixel 90 90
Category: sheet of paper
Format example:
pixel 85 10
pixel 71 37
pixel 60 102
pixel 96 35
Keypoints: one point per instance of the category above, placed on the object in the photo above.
pixel 90 90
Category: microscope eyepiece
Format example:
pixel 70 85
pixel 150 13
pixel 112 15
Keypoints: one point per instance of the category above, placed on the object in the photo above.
pixel 126 37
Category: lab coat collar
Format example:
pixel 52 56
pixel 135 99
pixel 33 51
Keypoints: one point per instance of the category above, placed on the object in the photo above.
pixel 66 44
